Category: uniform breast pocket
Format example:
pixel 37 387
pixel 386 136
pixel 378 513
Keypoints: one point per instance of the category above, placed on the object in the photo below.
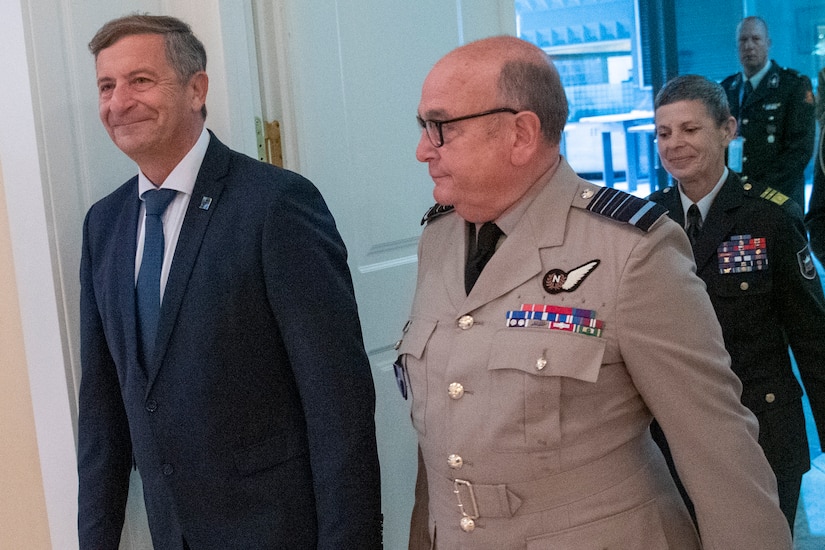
pixel 411 368
pixel 743 285
pixel 528 370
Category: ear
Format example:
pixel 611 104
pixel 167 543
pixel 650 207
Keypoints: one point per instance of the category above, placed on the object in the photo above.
pixel 199 86
pixel 729 128
pixel 527 137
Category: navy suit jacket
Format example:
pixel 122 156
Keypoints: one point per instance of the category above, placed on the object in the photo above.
pixel 252 424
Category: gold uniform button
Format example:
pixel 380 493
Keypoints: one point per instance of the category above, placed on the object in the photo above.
pixel 747 187
pixel 770 398
pixel 456 390
pixel 467 525
pixel 465 322
pixel 744 285
pixel 587 193
pixel 541 362
pixel 455 462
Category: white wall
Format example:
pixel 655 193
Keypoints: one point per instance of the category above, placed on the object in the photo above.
pixel 343 75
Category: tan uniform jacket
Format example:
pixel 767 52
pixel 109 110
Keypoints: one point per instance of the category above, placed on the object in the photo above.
pixel 546 430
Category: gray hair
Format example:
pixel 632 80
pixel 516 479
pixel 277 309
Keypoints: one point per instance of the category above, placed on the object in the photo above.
pixel 693 87
pixel 536 87
pixel 184 51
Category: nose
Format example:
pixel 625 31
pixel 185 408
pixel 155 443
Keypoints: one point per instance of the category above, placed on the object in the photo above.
pixel 120 100
pixel 425 151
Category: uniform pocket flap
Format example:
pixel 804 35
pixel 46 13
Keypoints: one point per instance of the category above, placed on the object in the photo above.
pixel 548 353
pixel 743 284
pixel 416 335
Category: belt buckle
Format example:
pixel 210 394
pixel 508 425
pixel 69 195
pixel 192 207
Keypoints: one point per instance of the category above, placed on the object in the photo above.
pixel 467 523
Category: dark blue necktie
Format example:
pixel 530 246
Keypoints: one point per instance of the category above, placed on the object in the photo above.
pixel 148 281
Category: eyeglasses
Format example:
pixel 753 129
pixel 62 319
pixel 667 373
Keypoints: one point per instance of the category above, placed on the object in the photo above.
pixel 433 127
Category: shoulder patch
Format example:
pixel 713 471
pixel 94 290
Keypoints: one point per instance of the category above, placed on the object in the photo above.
pixel 774 196
pixel 623 207
pixel 806 264
pixel 436 211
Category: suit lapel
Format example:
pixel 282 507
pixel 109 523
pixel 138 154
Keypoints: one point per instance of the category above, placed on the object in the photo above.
pixel 202 205
pixel 126 306
pixel 719 221
pixel 518 259
pixel 770 80
pixel 452 269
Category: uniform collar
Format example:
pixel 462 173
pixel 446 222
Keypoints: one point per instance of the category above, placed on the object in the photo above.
pixel 757 78
pixel 705 202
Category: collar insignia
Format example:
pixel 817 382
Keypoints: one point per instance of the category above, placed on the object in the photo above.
pixel 435 211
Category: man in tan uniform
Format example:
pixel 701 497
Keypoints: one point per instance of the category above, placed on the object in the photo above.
pixel 532 392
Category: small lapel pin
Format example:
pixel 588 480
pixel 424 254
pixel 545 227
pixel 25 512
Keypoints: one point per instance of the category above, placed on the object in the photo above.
pixel 206 202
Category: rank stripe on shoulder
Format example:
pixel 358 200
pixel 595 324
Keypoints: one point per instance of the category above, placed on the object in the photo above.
pixel 623 207
pixel 770 194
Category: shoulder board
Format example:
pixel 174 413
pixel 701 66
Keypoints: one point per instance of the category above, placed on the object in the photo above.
pixel 623 207
pixel 806 81
pixel 436 211
pixel 772 195
pixel 659 194
pixel 755 189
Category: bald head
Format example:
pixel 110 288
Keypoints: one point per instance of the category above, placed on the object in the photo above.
pixel 518 73
pixel 753 44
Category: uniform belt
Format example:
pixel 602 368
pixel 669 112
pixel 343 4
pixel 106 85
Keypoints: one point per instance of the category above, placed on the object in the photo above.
pixel 506 500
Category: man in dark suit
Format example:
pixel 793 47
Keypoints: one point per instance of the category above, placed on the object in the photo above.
pixel 774 107
pixel 751 250
pixel 249 408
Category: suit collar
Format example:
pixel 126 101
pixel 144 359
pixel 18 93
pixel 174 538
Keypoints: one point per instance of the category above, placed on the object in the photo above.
pixel 204 201
pixel 128 220
pixel 719 221
pixel 769 81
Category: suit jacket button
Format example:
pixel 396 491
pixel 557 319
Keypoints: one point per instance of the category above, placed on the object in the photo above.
pixel 168 469
pixel 455 462
pixel 151 406
pixel 468 525
pixel 456 390
pixel 744 285
pixel 770 398
pixel 465 322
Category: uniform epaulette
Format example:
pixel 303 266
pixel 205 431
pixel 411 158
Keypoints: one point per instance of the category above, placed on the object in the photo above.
pixel 772 195
pixel 436 211
pixel 623 207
